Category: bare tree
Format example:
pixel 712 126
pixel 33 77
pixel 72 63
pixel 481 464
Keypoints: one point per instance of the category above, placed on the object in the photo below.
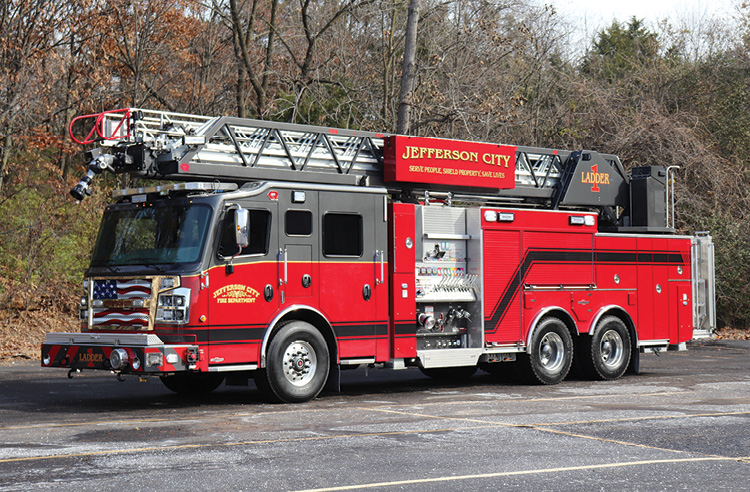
pixel 410 69
pixel 245 33
pixel 27 36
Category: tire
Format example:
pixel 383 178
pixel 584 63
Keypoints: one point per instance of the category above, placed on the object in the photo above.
pixel 297 364
pixel 450 373
pixel 199 383
pixel 606 354
pixel 549 355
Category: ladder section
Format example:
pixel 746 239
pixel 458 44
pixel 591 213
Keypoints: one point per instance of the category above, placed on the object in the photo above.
pixel 186 147
pixel 183 146
pixel 538 170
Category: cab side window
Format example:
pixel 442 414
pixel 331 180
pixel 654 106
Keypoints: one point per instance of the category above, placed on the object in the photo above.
pixel 298 222
pixel 260 233
pixel 342 234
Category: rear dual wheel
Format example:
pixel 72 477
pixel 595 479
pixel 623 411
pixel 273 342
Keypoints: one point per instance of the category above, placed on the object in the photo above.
pixel 549 355
pixel 606 354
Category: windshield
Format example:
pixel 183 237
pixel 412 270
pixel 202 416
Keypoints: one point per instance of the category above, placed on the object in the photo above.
pixel 151 235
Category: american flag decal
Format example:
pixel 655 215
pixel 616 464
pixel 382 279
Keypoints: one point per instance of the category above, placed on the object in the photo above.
pixel 105 289
pixel 115 314
pixel 122 289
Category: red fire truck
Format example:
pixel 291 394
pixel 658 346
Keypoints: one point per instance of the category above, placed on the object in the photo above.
pixel 286 253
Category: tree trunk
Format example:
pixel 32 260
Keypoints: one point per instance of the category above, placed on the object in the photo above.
pixel 409 72
pixel 388 62
pixel 4 158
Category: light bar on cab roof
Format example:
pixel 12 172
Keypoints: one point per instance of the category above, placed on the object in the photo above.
pixel 165 189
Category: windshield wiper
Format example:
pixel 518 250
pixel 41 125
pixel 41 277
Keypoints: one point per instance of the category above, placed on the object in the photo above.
pixel 158 267
pixel 148 263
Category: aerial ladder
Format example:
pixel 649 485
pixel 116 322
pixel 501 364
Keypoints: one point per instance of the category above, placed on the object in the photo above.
pixel 182 147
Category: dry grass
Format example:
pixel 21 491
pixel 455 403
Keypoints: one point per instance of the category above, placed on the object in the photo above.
pixel 734 334
pixel 22 331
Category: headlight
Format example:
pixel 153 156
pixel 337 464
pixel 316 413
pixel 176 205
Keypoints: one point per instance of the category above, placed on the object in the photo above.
pixel 166 283
pixel 174 306
pixel 83 313
pixel 154 359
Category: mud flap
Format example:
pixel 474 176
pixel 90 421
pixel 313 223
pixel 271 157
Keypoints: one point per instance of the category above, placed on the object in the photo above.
pixel 333 383
pixel 635 362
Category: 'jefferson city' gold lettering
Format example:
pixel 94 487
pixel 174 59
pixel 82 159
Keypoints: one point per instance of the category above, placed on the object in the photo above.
pixel 455 155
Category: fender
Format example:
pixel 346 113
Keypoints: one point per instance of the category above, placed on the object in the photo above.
pixel 544 312
pixel 604 310
pixel 278 318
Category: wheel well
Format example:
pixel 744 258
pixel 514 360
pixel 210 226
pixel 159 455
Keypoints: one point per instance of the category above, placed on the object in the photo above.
pixel 309 316
pixel 558 313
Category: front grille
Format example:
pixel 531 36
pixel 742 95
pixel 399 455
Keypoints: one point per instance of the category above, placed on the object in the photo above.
pixel 121 303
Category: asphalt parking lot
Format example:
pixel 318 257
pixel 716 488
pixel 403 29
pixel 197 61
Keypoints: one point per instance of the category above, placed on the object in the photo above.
pixel 684 423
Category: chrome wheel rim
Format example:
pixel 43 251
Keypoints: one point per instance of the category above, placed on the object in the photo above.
pixel 300 363
pixel 611 349
pixel 551 352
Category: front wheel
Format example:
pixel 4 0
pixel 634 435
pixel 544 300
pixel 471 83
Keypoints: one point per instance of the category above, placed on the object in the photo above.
pixel 606 354
pixel 549 355
pixel 297 363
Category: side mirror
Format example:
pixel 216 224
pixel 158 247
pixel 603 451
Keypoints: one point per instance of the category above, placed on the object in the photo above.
pixel 242 227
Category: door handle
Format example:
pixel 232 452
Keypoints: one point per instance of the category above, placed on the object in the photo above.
pixel 381 254
pixel 283 253
pixel 366 292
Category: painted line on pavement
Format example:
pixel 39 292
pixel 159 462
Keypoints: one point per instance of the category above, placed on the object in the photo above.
pixel 518 473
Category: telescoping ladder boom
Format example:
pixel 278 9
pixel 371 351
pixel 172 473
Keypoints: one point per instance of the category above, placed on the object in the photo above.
pixel 176 146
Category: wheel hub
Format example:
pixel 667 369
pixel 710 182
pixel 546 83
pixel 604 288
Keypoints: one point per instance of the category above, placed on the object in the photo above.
pixel 300 363
pixel 611 349
pixel 551 351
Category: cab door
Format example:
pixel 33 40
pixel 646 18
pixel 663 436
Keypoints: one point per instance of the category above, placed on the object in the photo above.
pixel 298 248
pixel 244 297
pixel 353 269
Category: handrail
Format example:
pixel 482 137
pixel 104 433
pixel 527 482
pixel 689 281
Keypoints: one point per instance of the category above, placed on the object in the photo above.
pixel 669 196
pixel 97 133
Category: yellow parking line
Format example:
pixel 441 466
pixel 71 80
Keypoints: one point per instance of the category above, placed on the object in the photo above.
pixel 649 417
pixel 46 425
pixel 533 400
pixel 50 425
pixel 544 427
pixel 103 422
pixel 622 443
pixel 241 443
pixel 549 424
pixel 517 473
